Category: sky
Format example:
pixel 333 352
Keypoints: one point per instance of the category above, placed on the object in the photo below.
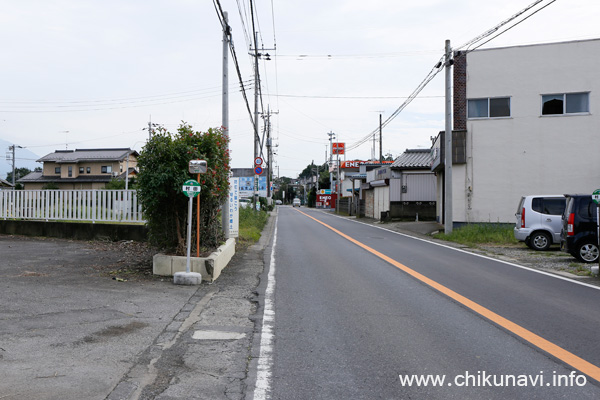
pixel 92 74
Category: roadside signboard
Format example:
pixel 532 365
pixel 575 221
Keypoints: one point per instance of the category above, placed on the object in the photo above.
pixel 191 188
pixel 338 148
pixel 233 222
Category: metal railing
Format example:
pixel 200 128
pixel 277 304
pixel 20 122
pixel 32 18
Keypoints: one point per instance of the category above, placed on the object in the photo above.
pixel 71 205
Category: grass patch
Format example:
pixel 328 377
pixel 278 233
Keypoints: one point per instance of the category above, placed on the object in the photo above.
pixel 252 223
pixel 579 269
pixel 474 234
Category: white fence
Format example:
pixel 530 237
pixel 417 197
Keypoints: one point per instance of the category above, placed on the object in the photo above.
pixel 71 205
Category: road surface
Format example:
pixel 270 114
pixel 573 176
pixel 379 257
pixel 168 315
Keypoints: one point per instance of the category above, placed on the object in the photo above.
pixel 353 311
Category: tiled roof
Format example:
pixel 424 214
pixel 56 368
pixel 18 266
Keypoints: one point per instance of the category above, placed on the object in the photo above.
pixel 5 183
pixel 87 155
pixel 37 177
pixel 414 158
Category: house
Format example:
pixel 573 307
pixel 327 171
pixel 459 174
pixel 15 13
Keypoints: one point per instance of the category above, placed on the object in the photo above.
pixel 406 189
pixel 524 122
pixel 82 169
pixel 5 185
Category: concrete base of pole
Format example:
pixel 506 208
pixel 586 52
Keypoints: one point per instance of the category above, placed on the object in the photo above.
pixel 187 278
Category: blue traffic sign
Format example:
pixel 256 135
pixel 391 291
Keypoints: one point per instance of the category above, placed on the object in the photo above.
pixel 258 170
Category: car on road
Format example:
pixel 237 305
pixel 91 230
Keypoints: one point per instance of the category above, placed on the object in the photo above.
pixel 296 202
pixel 539 220
pixel 278 202
pixel 579 227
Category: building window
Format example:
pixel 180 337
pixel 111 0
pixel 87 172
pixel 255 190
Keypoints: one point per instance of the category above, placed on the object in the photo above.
pixel 496 107
pixel 70 171
pixel 81 170
pixel 57 170
pixel 106 169
pixel 88 170
pixel 565 103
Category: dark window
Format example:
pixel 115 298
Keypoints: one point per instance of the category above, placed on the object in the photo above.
pixel 500 107
pixel 587 208
pixel 57 170
pixel 537 204
pixel 554 206
pixel 89 170
pixel 106 169
pixel 81 170
pixel 70 171
pixel 569 103
pixel 552 104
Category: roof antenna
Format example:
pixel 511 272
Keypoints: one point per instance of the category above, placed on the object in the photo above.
pixel 66 142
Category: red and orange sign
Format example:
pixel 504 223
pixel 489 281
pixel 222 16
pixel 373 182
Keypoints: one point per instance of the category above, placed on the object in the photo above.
pixel 338 148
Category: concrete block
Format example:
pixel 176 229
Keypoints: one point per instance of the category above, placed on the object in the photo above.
pixel 218 260
pixel 209 267
pixel 162 265
pixel 187 278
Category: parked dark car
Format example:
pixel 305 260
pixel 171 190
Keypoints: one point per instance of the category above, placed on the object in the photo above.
pixel 579 227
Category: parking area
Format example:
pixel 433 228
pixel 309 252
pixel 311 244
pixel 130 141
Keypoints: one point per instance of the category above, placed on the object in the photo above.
pixel 74 315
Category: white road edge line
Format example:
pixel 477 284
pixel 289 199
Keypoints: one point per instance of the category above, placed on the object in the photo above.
pixel 473 254
pixel 262 388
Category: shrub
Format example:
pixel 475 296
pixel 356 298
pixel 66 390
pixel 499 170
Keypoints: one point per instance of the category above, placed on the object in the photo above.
pixel 163 164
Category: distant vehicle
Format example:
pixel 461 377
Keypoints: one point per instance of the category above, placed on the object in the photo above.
pixel 538 220
pixel 278 202
pixel 578 234
pixel 245 203
pixel 296 202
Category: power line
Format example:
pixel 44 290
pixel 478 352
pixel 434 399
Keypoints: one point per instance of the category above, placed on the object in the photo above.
pixel 96 105
pixel 438 67
pixel 510 27
pixel 219 10
pixel 351 97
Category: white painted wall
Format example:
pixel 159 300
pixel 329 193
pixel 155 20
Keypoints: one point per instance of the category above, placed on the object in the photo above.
pixel 527 153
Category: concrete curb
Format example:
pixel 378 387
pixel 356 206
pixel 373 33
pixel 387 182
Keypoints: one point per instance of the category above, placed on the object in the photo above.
pixel 209 267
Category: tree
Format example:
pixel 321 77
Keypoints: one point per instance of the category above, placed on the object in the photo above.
pixel 115 184
pixel 163 164
pixel 19 173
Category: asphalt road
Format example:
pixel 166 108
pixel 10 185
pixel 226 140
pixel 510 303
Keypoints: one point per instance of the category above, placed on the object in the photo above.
pixel 350 325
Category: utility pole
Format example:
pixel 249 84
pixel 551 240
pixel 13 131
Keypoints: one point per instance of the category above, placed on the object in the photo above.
pixel 380 142
pixel 256 89
pixel 448 220
pixel 331 137
pixel 150 128
pixel 13 148
pixel 225 113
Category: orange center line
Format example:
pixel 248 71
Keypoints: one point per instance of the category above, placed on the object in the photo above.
pixel 567 357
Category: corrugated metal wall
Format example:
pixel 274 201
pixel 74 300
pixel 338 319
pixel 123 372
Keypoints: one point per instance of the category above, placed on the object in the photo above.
pixel 419 187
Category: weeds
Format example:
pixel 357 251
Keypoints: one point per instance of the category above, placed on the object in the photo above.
pixel 252 223
pixel 474 234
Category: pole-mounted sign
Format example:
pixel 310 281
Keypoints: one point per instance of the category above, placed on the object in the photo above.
pixel 191 188
pixel 258 161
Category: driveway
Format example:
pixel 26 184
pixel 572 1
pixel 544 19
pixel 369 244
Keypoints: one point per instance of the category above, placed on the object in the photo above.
pixel 69 330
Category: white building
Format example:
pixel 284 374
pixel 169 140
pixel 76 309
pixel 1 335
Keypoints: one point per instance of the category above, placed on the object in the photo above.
pixel 526 121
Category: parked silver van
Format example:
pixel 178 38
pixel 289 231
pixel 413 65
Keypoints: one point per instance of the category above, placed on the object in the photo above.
pixel 538 220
